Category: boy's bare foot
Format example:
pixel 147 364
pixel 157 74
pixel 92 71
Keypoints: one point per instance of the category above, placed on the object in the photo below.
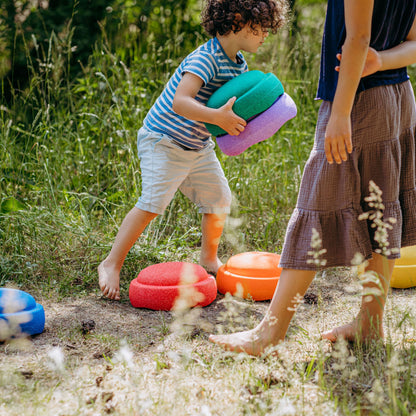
pixel 249 342
pixel 211 266
pixel 354 332
pixel 109 281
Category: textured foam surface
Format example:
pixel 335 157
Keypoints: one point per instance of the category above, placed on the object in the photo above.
pixel 13 300
pixel 20 315
pixel 236 87
pixel 166 286
pixel 259 128
pixel 404 272
pixel 255 92
pixel 250 275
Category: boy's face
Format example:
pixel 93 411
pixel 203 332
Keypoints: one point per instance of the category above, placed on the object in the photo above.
pixel 252 38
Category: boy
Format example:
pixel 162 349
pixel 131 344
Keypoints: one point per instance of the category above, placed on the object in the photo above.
pixel 174 147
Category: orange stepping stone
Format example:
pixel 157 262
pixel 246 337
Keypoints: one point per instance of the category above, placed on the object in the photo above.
pixel 250 275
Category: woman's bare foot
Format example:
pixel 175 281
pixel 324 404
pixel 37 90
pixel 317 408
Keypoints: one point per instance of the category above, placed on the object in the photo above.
pixel 355 332
pixel 109 281
pixel 211 266
pixel 249 342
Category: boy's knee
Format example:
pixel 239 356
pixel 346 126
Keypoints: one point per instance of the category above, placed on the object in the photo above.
pixel 227 196
pixel 225 206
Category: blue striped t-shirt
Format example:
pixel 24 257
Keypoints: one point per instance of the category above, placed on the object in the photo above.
pixel 215 68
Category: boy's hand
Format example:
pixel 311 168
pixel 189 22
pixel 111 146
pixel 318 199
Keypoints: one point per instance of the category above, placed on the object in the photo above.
pixel 185 105
pixel 372 62
pixel 228 120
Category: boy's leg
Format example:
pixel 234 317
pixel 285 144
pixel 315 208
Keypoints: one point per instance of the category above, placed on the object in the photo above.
pixel 130 230
pixel 212 227
pixel 272 329
pixel 207 187
pixel 368 324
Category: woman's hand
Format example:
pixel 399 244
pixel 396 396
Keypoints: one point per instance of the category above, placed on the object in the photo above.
pixel 338 139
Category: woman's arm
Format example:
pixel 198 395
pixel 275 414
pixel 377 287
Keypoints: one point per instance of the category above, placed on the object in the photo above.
pixel 185 105
pixel 401 55
pixel 398 57
pixel 358 16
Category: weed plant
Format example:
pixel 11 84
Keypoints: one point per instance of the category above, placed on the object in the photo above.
pixel 69 175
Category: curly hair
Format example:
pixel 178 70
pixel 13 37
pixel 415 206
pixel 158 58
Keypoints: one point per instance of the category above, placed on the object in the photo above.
pixel 224 16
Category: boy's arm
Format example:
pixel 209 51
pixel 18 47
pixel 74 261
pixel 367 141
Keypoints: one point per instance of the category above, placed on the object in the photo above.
pixel 185 105
pixel 358 16
pixel 398 57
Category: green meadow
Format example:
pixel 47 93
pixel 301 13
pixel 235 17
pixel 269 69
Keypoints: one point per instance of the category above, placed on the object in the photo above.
pixel 69 175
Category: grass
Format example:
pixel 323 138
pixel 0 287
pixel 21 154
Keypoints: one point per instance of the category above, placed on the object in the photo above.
pixel 69 175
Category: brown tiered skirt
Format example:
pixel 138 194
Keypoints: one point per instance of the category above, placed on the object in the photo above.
pixel 332 197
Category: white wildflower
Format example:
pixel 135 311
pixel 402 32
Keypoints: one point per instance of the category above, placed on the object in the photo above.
pixel 376 216
pixel 125 355
pixel 317 250
pixel 376 395
pixel 205 411
pixel 285 408
pixel 57 359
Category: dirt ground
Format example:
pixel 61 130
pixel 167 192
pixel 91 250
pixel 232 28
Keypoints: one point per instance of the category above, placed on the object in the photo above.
pixel 91 327
pixel 90 330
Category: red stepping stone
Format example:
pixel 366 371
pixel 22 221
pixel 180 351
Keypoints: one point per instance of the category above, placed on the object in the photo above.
pixel 171 285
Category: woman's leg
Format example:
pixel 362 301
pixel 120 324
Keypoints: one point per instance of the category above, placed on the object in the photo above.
pixel 130 230
pixel 272 329
pixel 368 325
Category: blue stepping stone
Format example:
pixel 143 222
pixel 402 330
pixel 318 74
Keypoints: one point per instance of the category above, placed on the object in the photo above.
pixel 20 315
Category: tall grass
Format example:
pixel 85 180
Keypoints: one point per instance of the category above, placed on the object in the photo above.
pixel 70 170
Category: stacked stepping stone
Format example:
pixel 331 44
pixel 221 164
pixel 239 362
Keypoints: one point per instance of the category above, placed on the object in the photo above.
pixel 261 101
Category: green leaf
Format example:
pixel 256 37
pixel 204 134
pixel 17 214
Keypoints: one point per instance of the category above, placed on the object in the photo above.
pixel 11 205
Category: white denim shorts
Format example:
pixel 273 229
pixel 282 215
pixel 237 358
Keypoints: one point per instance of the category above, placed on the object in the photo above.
pixel 166 167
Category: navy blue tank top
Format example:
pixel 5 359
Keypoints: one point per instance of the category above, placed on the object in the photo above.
pixel 391 22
